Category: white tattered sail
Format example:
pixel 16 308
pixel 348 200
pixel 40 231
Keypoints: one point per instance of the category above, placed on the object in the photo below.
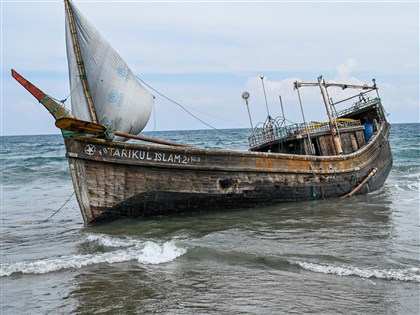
pixel 120 101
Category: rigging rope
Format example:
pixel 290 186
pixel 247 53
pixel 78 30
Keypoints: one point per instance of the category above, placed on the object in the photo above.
pixel 314 192
pixel 59 208
pixel 154 120
pixel 176 103
pixel 71 92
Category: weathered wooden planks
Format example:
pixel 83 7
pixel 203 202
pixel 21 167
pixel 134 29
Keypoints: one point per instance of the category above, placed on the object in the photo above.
pixel 114 179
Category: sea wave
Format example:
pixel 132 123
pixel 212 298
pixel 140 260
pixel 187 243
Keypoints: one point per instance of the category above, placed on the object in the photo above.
pixel 112 242
pixel 145 252
pixel 411 274
pixel 407 274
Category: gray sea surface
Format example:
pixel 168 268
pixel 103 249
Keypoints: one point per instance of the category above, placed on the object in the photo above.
pixel 353 256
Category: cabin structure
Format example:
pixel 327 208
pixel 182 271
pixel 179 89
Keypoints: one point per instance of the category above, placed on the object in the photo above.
pixel 353 126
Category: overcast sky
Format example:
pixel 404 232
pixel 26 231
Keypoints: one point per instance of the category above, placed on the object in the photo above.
pixel 205 54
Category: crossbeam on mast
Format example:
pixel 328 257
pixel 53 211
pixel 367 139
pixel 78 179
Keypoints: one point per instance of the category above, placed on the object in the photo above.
pixel 341 85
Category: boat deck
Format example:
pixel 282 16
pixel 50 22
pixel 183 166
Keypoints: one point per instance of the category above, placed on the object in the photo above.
pixel 315 138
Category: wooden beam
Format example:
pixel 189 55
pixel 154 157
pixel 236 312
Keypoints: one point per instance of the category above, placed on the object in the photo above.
pixel 87 127
pixel 80 64
pixel 37 93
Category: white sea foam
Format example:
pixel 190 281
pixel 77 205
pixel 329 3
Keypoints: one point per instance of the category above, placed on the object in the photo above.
pixel 144 252
pixel 408 274
pixel 153 253
pixel 109 241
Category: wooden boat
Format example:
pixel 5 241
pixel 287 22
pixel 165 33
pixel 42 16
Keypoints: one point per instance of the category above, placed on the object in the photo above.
pixel 350 154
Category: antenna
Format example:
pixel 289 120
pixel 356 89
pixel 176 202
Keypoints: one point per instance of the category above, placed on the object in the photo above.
pixel 245 96
pixel 265 96
pixel 375 87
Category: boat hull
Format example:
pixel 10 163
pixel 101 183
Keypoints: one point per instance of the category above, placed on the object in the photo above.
pixel 124 180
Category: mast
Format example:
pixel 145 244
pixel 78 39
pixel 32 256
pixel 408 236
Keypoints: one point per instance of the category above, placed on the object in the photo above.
pixel 79 59
pixel 265 97
pixel 304 120
pixel 333 126
pixel 282 109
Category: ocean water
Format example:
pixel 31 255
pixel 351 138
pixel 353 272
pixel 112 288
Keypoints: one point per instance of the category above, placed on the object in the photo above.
pixel 353 256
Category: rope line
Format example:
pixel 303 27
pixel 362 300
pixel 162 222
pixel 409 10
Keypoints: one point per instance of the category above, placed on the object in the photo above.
pixel 314 192
pixel 59 208
pixel 154 120
pixel 176 103
pixel 71 92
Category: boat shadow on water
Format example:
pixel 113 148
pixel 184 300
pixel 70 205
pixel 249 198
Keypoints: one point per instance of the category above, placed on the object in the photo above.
pixel 314 214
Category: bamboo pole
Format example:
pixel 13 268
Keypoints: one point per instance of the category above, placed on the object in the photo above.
pixel 87 127
pixel 79 59
pixel 282 109
pixel 304 121
pixel 265 96
pixel 355 190
pixel 333 126
pixel 137 137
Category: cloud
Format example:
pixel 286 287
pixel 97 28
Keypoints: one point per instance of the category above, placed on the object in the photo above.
pixel 206 54
pixel 344 70
pixel 311 98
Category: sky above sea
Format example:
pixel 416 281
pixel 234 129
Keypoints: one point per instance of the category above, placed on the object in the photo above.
pixel 204 54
